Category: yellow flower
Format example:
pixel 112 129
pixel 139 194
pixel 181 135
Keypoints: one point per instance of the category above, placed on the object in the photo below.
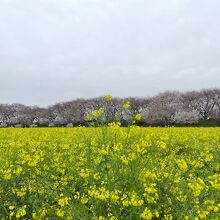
pixel 97 113
pixel 126 105
pixel 84 200
pixel 208 158
pixel 147 214
pixel 108 97
pixel 181 163
pixel 84 173
pixel 11 207
pixel 114 125
pixel 161 144
pixel 34 215
pixel 20 192
pixel 156 213
pixel 7 174
pixel 168 217
pixel 18 170
pixel 197 186
pixel 126 203
pixel 137 117
pixel 21 212
pixel 63 201
pixel 216 209
pixel 88 116
pixel 60 213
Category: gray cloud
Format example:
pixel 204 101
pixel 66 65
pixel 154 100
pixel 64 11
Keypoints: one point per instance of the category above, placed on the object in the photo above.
pixel 54 50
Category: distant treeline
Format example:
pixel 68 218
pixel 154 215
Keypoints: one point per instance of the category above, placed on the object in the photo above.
pixel 195 108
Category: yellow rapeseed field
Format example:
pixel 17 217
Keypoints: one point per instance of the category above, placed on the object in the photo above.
pixel 110 173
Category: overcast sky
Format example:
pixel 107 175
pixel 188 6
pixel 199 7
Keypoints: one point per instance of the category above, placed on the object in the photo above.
pixel 52 50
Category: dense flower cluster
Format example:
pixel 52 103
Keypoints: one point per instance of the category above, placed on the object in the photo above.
pixel 110 173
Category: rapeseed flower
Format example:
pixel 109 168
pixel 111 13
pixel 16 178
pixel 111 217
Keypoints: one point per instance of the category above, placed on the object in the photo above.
pixel 126 105
pixel 21 212
pixel 116 172
pixel 137 117
pixel 147 214
pixel 60 213
pixel 108 97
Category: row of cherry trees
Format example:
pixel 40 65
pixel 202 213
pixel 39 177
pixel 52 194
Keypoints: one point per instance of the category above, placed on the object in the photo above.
pixel 166 108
